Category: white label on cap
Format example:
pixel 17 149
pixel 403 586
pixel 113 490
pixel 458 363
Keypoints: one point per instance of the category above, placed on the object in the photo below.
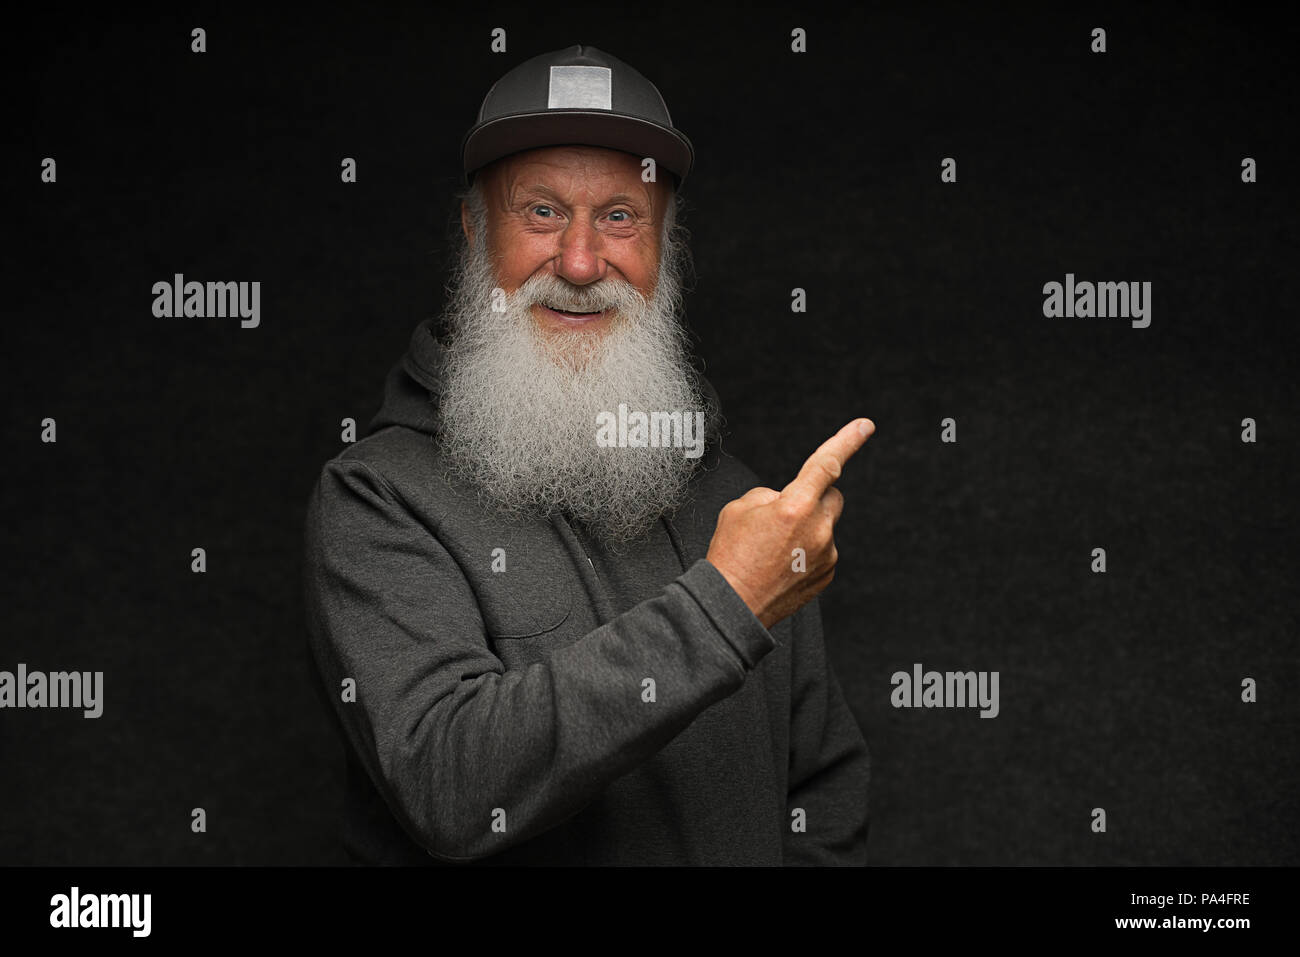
pixel 580 87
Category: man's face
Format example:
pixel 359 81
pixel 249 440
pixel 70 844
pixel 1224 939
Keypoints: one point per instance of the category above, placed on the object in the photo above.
pixel 579 215
pixel 525 382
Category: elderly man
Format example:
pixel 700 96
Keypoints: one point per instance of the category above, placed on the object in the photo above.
pixel 558 624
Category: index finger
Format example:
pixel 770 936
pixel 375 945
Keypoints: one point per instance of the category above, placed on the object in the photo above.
pixel 824 467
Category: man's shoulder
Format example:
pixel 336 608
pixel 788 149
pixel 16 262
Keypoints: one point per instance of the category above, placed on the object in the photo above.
pixel 407 465
pixel 396 453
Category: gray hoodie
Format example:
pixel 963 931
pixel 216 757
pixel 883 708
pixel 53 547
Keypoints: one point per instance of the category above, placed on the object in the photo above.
pixel 514 693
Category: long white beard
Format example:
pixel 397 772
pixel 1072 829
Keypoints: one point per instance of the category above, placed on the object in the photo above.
pixel 519 407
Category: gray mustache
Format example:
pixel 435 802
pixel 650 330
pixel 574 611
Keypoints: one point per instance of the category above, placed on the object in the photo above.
pixel 608 294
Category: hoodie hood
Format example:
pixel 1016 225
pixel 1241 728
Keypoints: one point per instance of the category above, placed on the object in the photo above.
pixel 414 385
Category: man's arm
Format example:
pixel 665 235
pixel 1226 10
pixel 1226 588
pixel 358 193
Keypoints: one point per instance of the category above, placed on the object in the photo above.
pixel 830 766
pixel 453 740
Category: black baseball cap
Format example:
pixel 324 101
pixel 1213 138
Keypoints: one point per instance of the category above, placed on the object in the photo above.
pixel 575 96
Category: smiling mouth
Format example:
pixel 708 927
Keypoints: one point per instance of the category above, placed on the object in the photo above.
pixel 575 317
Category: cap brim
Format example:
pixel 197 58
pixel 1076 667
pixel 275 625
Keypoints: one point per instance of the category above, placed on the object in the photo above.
pixel 505 135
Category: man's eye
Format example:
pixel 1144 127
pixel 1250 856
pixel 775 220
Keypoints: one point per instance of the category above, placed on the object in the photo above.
pixel 621 212
pixel 546 210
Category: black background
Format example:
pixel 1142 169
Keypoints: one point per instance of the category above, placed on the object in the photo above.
pixel 818 170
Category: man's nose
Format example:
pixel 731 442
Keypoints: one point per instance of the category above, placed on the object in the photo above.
pixel 581 255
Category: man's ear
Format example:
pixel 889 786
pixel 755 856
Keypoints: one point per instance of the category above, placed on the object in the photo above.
pixel 464 222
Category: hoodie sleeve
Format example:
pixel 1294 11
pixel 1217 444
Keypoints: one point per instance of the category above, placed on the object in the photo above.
pixel 830 765
pixel 473 758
